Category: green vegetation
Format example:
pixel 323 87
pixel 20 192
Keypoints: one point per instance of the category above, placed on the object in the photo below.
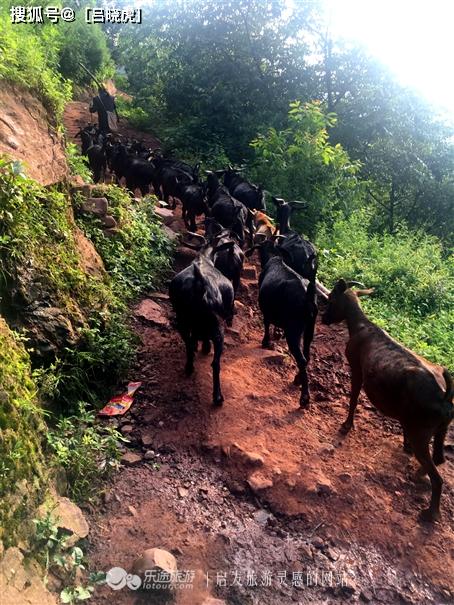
pixel 29 58
pixel 301 164
pixel 136 116
pixel 45 58
pixel 49 545
pixel 412 277
pixel 212 74
pixel 77 163
pixel 22 429
pixel 87 450
pixel 139 256
pixel 41 258
pixel 86 43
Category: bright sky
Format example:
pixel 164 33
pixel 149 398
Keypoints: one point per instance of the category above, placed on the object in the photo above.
pixel 414 38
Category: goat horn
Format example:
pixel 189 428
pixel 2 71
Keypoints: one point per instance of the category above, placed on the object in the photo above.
pixel 196 235
pixel 355 283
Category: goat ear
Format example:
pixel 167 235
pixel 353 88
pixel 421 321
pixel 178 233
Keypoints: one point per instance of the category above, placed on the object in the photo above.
pixel 219 172
pixel 340 286
pixel 276 201
pixel 366 292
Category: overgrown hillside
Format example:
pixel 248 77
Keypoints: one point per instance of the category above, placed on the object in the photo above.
pixel 65 282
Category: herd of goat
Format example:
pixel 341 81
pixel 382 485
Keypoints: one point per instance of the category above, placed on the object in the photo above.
pixel 399 383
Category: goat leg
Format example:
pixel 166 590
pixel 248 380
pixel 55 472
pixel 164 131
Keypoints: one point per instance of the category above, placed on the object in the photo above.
pixel 266 342
pixel 407 445
pixel 218 345
pixel 191 347
pixel 438 455
pixel 357 383
pixel 420 441
pixel 293 338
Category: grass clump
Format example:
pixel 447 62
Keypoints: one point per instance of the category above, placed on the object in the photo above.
pixel 139 256
pixel 413 277
pixel 87 450
pixel 22 470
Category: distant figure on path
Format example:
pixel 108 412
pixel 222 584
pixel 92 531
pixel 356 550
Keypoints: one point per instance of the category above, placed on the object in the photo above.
pixel 104 105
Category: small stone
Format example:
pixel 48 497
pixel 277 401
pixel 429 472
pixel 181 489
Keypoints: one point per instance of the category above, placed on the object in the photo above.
pixel 243 456
pixel 131 459
pixel 156 558
pixel 306 549
pixel 133 511
pixel 324 488
pixel 258 482
pixel 232 331
pixel 96 205
pixel 149 455
pixel 164 213
pixel 183 492
pixel 332 554
pixel 161 423
pixel 147 440
pixel 126 429
pixel 318 542
pixel 170 234
pixel 328 449
pixel 275 358
pixel 236 487
pixel 348 588
pixel 366 596
pixel 345 477
pixel 159 295
pixel 262 516
pixel 151 311
pixel 108 222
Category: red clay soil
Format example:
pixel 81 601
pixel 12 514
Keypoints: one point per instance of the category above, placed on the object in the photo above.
pixel 329 519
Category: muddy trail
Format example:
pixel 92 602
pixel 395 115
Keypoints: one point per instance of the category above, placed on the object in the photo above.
pixel 260 502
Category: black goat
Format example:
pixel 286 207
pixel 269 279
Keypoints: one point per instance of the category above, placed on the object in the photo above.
pixel 222 247
pixel 201 297
pixel 228 211
pixel 87 136
pixel 287 301
pixel 172 175
pixel 193 201
pixel 283 212
pixel 252 196
pixel 138 172
pixel 299 253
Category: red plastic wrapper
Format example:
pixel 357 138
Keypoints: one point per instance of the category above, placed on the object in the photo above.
pixel 120 404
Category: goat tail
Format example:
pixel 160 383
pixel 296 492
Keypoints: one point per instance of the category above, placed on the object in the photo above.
pixel 449 385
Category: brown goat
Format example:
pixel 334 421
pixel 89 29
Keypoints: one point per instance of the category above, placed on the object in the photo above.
pixel 399 383
pixel 264 227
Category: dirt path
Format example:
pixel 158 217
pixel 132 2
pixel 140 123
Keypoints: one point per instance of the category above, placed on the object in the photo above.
pixel 77 115
pixel 329 519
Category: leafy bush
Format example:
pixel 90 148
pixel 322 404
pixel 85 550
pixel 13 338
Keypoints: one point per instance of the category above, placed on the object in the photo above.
pixel 138 257
pixel 77 162
pixel 86 43
pixel 29 58
pixel 412 276
pixel 86 449
pixel 299 163
pixel 22 468
pixel 136 116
